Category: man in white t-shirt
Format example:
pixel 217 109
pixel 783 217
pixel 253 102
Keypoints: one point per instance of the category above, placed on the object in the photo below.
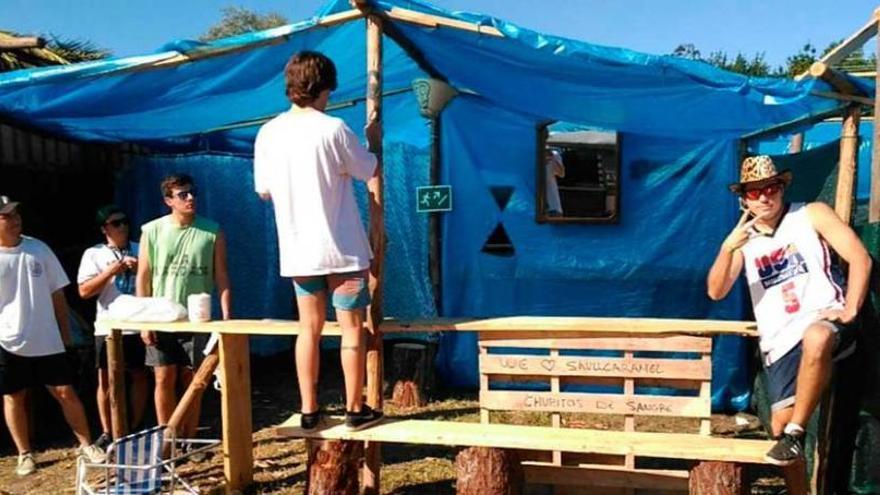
pixel 304 162
pixel 806 312
pixel 108 270
pixel 34 330
pixel 553 168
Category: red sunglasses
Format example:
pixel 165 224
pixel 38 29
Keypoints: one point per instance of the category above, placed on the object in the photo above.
pixel 768 190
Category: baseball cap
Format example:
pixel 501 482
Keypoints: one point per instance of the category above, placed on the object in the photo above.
pixel 7 206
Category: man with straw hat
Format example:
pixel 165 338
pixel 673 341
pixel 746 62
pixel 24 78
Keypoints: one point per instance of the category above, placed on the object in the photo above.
pixel 806 311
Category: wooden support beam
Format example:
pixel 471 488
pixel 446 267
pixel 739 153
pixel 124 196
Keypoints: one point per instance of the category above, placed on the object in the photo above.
pixel 864 100
pixel 796 145
pixel 18 43
pixel 433 21
pixel 836 79
pixel 848 164
pixel 843 206
pixel 792 124
pixel 874 202
pixel 547 326
pixel 374 359
pixel 238 455
pixel 116 378
pixel 849 45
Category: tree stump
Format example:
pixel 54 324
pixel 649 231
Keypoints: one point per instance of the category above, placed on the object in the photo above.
pixel 717 478
pixel 412 374
pixel 333 467
pixel 487 471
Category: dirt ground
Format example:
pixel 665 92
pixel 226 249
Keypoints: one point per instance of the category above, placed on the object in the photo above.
pixel 279 464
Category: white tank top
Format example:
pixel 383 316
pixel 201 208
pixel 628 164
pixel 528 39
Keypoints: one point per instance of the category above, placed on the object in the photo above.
pixel 791 279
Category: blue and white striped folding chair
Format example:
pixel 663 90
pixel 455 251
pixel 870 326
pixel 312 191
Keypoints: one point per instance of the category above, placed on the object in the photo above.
pixel 135 464
pixel 134 460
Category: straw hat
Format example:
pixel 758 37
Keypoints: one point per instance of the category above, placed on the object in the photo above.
pixel 758 171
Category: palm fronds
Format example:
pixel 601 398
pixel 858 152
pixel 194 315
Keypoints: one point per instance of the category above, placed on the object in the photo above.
pixel 57 51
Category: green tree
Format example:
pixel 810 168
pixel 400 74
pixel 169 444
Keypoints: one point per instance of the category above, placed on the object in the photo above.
pixel 800 62
pixel 755 66
pixel 239 20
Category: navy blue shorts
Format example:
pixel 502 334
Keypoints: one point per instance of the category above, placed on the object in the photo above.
pixel 782 374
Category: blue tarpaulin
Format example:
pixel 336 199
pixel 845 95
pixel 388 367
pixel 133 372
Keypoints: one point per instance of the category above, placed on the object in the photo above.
pixel 198 106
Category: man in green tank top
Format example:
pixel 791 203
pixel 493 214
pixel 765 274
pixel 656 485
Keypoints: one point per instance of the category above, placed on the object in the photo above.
pixel 180 254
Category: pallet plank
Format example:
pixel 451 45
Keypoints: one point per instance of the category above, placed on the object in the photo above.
pixel 451 433
pixel 595 366
pixel 639 405
pixel 603 342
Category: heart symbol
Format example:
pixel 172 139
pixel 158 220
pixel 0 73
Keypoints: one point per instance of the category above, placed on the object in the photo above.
pixel 548 364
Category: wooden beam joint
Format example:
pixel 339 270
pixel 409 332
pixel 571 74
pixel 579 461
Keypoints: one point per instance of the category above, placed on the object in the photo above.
pixel 836 79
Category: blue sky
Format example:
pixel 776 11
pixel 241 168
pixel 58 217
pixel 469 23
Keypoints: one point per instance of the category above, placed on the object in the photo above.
pixel 776 27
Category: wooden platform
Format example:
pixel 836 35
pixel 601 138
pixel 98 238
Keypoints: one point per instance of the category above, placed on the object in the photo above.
pixel 545 326
pixel 456 434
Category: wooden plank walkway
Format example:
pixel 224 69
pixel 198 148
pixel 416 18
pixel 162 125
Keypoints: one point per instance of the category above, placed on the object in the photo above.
pixel 455 434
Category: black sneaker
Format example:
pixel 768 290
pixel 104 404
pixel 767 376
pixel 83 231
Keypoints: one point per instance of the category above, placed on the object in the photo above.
pixel 358 420
pixel 788 449
pixel 310 421
pixel 103 441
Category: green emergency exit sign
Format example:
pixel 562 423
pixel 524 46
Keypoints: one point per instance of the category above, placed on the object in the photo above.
pixel 433 198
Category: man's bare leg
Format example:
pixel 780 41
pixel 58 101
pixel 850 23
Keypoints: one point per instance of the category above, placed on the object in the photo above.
pixel 73 412
pixel 795 474
pixel 165 394
pixel 312 314
pixel 814 372
pixel 102 397
pixel 352 353
pixel 15 411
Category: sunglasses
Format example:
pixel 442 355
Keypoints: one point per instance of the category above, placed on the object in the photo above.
pixel 768 190
pixel 119 222
pixel 182 195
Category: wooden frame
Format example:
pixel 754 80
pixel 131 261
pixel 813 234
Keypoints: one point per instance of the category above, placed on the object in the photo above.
pixel 541 217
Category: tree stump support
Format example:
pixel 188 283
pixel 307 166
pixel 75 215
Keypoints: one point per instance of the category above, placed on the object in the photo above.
pixel 412 373
pixel 333 467
pixel 717 478
pixel 488 471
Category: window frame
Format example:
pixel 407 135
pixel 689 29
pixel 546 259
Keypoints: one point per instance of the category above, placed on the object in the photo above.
pixel 540 216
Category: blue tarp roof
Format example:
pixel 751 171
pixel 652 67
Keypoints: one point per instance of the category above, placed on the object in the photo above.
pixel 138 99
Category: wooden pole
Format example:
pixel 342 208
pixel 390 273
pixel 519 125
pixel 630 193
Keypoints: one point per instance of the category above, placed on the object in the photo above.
pixel 843 206
pixel 434 228
pixel 797 143
pixel 116 376
pixel 238 455
pixel 377 242
pixel 835 78
pixel 874 205
pixel 16 43
pixel 848 165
